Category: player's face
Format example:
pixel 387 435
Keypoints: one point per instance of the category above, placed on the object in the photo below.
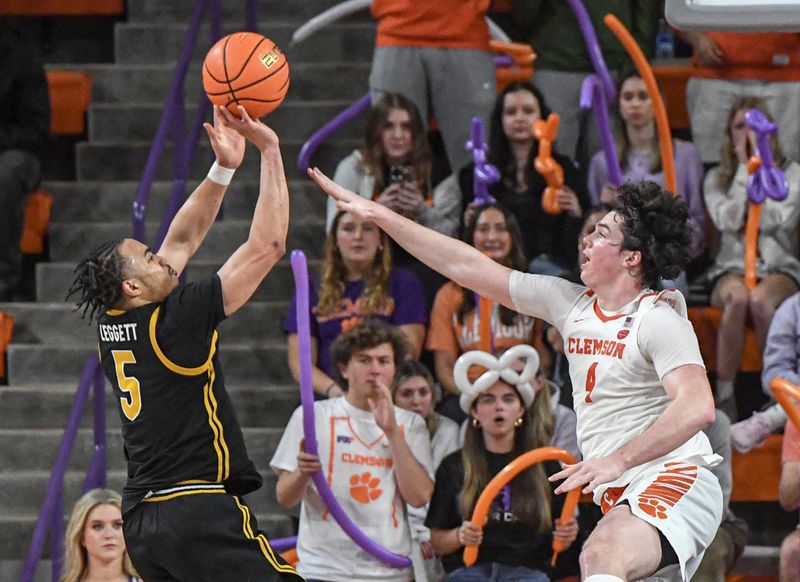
pixel 497 408
pixel 603 257
pixel 102 534
pixel 396 136
pixel 635 107
pixel 415 394
pixel 357 241
pixel 588 227
pixel 491 235
pixel 368 367
pixel 520 111
pixel 151 272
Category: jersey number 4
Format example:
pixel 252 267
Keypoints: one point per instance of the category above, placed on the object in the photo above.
pixel 131 403
pixel 590 381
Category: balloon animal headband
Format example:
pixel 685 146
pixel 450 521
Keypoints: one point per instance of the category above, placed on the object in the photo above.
pixel 496 369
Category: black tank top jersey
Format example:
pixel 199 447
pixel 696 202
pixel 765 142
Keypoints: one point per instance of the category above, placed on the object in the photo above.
pixel 178 423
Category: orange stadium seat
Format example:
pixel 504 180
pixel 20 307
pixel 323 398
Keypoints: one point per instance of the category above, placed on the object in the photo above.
pixel 6 331
pixel 764 461
pixel 705 321
pixel 70 94
pixel 672 81
pixel 36 222
pixel 60 7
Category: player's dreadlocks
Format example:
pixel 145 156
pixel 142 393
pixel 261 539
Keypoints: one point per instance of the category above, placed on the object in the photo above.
pixel 98 279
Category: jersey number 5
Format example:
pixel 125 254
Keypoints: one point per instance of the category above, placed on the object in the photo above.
pixel 132 405
pixel 590 381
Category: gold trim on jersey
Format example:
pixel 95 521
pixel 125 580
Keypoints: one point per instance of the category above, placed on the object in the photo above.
pixel 209 399
pixel 180 493
pixel 114 312
pixel 262 540
pixel 169 363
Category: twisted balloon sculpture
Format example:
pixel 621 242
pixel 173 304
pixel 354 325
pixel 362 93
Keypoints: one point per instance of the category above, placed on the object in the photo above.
pixel 764 180
pixel 300 270
pixel 593 97
pixel 484 173
pixel 545 132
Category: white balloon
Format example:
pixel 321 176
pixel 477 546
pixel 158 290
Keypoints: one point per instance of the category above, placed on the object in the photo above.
pixel 496 368
pixel 327 17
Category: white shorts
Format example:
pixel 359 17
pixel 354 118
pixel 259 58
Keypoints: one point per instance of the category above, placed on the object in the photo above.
pixel 681 500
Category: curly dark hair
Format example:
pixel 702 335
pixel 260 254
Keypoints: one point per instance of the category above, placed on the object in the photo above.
pixel 98 279
pixel 368 334
pixel 654 222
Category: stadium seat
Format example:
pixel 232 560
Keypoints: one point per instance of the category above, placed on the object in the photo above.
pixel 60 7
pixel 6 331
pixel 672 81
pixel 36 222
pixel 705 321
pixel 70 94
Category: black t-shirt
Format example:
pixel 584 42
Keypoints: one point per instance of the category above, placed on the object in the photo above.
pixel 505 540
pixel 552 234
pixel 178 423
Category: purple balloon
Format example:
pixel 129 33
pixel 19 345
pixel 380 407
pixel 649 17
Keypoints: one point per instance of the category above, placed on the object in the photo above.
pixel 300 270
pixel 593 97
pixel 484 172
pixel 593 48
pixel 768 180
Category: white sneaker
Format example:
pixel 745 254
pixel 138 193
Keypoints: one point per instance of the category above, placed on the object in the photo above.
pixel 751 432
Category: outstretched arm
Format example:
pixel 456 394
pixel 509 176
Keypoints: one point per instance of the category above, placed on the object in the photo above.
pixel 452 258
pixel 193 221
pixel 243 272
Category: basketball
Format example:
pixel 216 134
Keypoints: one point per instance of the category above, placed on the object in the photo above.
pixel 247 69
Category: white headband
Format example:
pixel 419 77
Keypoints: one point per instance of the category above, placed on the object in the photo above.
pixel 496 369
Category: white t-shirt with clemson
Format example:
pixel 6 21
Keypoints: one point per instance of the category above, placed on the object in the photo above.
pixel 357 463
pixel 616 363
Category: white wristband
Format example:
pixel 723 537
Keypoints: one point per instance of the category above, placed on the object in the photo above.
pixel 220 175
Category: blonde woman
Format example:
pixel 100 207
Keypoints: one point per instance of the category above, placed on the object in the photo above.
pixel 94 545
pixel 358 282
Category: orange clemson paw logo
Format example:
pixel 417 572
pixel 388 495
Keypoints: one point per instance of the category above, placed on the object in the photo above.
pixel 653 507
pixel 364 487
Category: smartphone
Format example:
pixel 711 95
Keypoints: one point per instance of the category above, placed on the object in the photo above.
pixel 398 175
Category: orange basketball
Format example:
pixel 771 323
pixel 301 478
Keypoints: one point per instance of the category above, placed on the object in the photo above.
pixel 245 68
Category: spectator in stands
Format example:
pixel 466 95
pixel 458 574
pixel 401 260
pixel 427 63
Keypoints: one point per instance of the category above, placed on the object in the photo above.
pixel 358 281
pixel 563 60
pixel 778 268
pixel 640 158
pixel 413 389
pixel 732 65
pixel 547 238
pixel 781 360
pixel 507 418
pixel 437 54
pixel 378 462
pixel 394 167
pixel 24 127
pixel 789 495
pixel 455 323
pixel 94 544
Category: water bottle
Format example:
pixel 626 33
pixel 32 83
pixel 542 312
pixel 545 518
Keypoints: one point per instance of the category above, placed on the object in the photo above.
pixel 665 41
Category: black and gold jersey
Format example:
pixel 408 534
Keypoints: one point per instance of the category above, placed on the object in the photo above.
pixel 178 424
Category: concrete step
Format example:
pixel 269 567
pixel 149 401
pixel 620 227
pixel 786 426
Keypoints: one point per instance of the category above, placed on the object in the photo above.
pixel 129 84
pixel 47 406
pixel 51 364
pixel 351 39
pixel 53 279
pixel 295 120
pixel 58 323
pixel 69 242
pixel 267 10
pixel 34 450
pixel 103 201
pixel 93 160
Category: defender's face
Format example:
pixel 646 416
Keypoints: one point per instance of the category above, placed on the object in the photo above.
pixel 148 271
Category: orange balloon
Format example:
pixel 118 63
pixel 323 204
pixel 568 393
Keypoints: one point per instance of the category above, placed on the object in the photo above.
pixel 784 391
pixel 505 475
pixel 545 132
pixel 660 112
pixel 485 325
pixel 290 556
pixel 751 245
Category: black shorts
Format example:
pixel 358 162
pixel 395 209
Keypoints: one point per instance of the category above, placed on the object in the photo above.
pixel 192 536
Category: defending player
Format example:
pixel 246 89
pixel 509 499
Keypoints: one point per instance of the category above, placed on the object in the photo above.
pixel 639 381
pixel 187 463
